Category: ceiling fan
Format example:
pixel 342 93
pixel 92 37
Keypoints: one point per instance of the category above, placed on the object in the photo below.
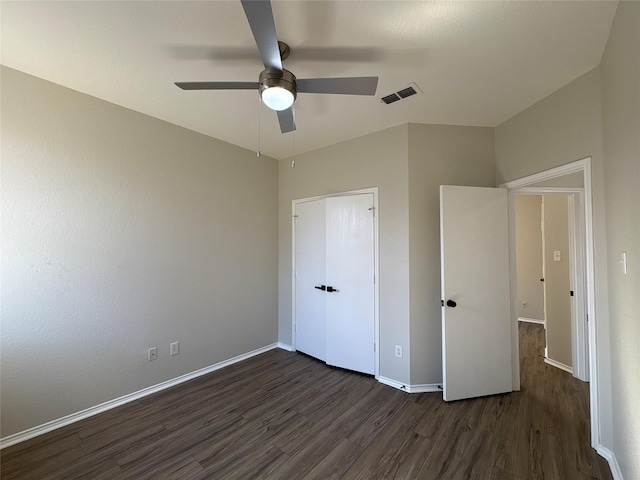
pixel 278 87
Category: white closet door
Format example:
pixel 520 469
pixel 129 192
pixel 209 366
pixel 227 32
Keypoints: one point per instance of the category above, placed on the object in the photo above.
pixel 310 263
pixel 350 271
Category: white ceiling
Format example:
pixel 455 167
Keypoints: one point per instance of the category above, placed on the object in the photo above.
pixel 478 62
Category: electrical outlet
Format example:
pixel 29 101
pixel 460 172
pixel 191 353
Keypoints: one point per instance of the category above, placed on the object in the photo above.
pixel 174 348
pixel 398 351
pixel 153 353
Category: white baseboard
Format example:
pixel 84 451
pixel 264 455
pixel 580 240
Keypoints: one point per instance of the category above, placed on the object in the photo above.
pixel 559 365
pixel 426 388
pixel 608 455
pixel 431 387
pixel 392 383
pixel 103 407
pixel 530 320
pixel 286 347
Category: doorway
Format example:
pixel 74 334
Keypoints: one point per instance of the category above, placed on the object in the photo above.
pixel 559 178
pixel 550 272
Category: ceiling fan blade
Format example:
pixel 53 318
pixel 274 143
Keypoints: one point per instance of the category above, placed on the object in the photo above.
pixel 218 85
pixel 260 17
pixel 344 86
pixel 338 54
pixel 285 117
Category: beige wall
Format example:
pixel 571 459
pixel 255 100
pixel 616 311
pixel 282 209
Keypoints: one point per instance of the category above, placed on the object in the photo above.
pixel 121 232
pixel 529 256
pixel 621 134
pixel 438 155
pixel 557 280
pixel 564 127
pixel 378 159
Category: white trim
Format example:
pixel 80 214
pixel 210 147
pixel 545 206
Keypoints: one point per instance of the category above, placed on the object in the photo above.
pixel 573 167
pixel 591 307
pixel 531 320
pixel 583 166
pixel 376 267
pixel 425 388
pixel 561 366
pixel 610 457
pixel 116 402
pixel 393 383
pixel 286 347
pixel 549 190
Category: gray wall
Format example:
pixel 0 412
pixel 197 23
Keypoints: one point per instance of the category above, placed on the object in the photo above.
pixel 121 232
pixel 621 135
pixel 564 127
pixel 438 155
pixel 529 256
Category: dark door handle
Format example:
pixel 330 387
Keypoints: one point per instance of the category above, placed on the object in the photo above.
pixel 542 279
pixel 451 303
pixel 331 289
pixel 321 287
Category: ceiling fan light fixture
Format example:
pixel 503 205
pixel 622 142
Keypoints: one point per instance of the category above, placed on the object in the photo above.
pixel 277 98
pixel 278 90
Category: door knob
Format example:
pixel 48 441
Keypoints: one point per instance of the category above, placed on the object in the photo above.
pixel 331 289
pixel 321 287
pixel 451 303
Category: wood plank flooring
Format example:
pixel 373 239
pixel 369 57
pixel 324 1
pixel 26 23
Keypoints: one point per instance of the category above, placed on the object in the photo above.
pixel 282 415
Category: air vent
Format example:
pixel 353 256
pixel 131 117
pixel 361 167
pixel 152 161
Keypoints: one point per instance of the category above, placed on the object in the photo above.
pixel 391 98
pixel 408 91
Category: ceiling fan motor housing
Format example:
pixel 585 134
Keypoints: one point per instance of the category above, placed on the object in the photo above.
pixel 283 79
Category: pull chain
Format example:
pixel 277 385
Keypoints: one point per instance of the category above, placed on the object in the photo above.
pixel 293 148
pixel 259 124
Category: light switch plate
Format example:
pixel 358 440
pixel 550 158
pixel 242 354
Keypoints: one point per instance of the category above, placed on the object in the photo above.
pixel 556 256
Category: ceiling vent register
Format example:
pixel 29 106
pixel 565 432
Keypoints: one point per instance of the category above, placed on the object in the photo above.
pixel 408 91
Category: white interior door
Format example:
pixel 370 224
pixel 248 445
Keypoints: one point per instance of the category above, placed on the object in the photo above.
pixel 476 317
pixel 350 271
pixel 310 262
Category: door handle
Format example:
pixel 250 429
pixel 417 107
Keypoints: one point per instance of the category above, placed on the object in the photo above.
pixel 331 289
pixel 451 303
pixel 321 287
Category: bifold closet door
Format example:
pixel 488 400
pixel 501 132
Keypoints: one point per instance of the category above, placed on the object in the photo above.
pixel 310 272
pixel 334 281
pixel 350 271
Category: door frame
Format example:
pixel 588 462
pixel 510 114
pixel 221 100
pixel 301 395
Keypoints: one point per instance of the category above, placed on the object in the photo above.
pixel 376 262
pixel 526 184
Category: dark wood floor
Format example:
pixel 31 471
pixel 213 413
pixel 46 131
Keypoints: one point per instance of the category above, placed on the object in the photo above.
pixel 282 415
